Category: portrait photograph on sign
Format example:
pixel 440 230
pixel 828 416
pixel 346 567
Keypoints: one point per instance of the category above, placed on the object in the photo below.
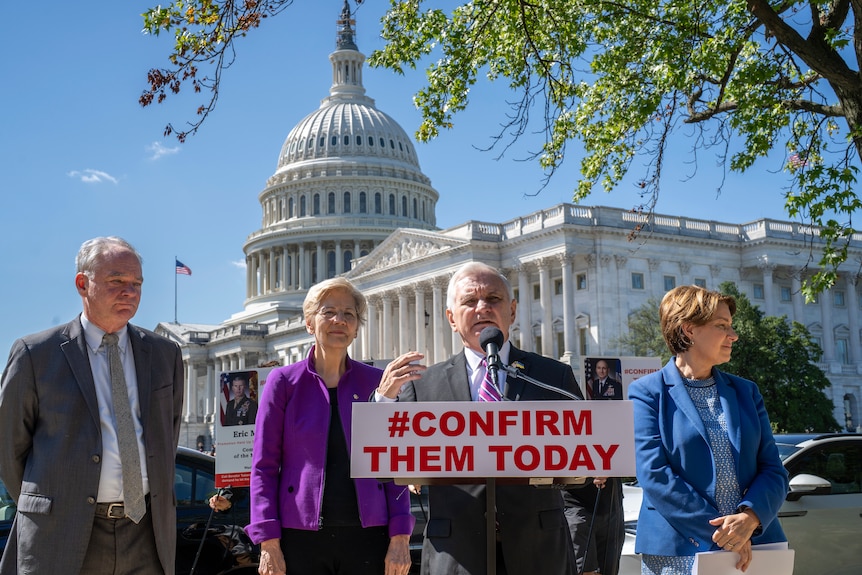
pixel 610 377
pixel 604 378
pixel 238 396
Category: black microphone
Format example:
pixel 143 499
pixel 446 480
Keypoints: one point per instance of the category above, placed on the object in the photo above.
pixel 491 340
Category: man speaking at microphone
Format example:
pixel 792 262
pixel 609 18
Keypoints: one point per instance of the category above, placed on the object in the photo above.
pixel 532 532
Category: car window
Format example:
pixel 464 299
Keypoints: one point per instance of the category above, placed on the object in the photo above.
pixel 193 486
pixel 785 450
pixel 840 463
pixel 7 504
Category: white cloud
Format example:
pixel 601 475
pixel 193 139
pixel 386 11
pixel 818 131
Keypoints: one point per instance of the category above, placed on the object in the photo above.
pixel 158 150
pixel 93 176
pixel 239 263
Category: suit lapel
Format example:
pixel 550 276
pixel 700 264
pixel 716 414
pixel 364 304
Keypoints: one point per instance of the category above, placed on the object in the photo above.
pixel 515 386
pixel 682 399
pixel 456 379
pixel 75 350
pixel 730 406
pixel 142 350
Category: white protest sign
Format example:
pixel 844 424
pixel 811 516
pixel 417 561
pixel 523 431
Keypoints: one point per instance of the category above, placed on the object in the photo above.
pixel 493 439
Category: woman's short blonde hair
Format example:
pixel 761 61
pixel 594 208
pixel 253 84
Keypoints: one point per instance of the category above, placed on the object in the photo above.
pixel 692 305
pixel 320 291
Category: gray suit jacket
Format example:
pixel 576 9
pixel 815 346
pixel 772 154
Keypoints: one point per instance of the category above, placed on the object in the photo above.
pixel 532 525
pixel 52 446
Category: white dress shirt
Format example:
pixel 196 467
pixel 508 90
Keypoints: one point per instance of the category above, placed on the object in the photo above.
pixel 111 479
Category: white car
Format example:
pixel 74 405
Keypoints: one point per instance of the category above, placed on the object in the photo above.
pixel 822 516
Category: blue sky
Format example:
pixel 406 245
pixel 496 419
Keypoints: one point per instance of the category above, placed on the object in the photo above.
pixel 80 158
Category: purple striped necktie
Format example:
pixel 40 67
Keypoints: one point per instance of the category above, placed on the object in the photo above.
pixel 487 390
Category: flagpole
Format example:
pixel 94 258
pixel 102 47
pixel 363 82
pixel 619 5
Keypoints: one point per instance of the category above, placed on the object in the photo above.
pixel 175 289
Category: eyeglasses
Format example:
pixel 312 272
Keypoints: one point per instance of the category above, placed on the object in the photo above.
pixel 329 314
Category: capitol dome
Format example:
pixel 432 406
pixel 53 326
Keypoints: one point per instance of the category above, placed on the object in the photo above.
pixel 347 176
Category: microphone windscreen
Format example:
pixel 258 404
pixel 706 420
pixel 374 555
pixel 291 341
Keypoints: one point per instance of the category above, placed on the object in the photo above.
pixel 491 334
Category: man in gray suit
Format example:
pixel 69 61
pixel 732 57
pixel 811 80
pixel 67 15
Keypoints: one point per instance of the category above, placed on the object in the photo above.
pixel 532 531
pixel 60 457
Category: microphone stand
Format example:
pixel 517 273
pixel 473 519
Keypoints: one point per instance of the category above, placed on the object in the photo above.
pixel 516 373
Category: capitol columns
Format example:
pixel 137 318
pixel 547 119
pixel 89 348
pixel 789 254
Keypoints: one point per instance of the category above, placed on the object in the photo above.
pixel 768 270
pixel 301 281
pixel 272 280
pixel 797 297
pixel 372 329
pixel 828 337
pixel 210 388
pixel 191 397
pixel 386 327
pixel 525 316
pixel 403 321
pixel 419 291
pixel 546 301
pixel 249 274
pixel 321 263
pixel 565 261
pixel 852 302
pixel 439 325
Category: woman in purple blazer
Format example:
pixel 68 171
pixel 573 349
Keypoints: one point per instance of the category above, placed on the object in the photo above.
pixel 706 458
pixel 308 515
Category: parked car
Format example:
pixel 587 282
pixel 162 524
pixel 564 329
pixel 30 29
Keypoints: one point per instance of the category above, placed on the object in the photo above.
pixel 226 547
pixel 822 515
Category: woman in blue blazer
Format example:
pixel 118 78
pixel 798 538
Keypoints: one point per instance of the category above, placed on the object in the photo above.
pixel 706 458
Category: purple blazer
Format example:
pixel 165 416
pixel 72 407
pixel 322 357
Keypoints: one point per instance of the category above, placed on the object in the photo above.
pixel 289 461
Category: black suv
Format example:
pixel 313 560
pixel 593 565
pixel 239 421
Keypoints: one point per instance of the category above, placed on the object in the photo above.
pixel 226 547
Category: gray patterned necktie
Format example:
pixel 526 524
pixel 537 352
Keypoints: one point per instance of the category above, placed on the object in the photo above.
pixel 133 483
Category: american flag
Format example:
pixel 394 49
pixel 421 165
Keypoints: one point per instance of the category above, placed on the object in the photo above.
pixel 183 269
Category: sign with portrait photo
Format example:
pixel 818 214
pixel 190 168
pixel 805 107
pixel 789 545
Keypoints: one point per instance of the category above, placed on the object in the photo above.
pixel 238 396
pixel 610 377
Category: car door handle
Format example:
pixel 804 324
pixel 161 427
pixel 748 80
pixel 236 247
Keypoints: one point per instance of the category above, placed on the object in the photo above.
pixel 792 514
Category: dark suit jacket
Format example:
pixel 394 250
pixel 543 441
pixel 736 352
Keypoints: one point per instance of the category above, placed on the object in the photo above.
pixel 532 524
pixel 52 445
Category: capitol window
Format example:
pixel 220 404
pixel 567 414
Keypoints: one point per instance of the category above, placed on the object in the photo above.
pixel 758 291
pixel 581 281
pixel 637 280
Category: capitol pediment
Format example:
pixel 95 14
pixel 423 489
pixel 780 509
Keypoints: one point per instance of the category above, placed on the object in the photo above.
pixel 405 246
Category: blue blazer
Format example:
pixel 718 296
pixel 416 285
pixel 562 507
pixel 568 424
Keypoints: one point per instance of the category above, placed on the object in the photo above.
pixel 675 465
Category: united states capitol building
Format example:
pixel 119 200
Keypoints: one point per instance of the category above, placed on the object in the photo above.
pixel 348 197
